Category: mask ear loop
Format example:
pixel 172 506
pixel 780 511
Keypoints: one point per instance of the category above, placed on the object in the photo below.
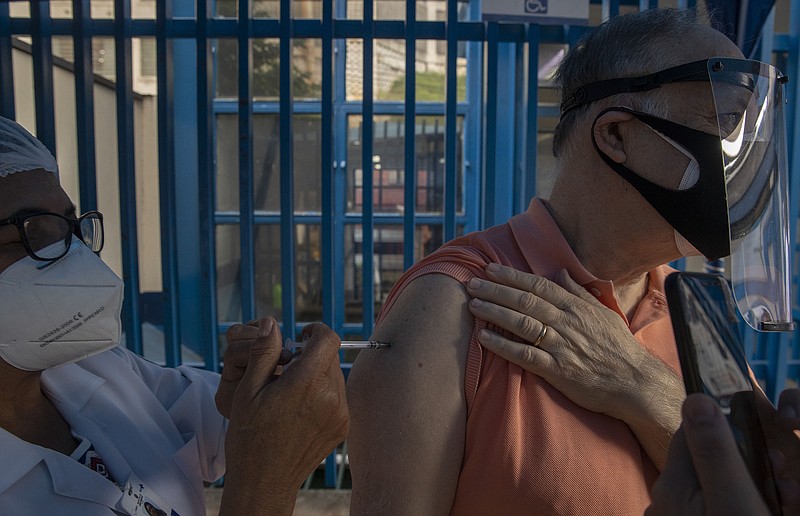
pixel 706 222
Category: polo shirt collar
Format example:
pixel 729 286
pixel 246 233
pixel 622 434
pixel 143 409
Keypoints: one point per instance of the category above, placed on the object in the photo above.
pixel 546 252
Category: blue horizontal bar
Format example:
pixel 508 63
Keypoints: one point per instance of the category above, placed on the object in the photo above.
pixel 342 29
pixel 434 219
pixel 230 106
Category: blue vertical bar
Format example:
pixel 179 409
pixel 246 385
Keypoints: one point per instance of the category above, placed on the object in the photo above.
pixel 648 4
pixel 793 119
pixel 792 95
pixel 205 164
pixel 186 208
pixel 42 50
pixel 609 9
pixel 490 178
pixel 410 161
pixel 451 100
pixel 326 154
pixel 518 150
pixel 131 317
pixel 367 246
pixel 7 108
pixel 246 230
pixel 473 127
pixel 504 131
pixel 778 364
pixel 340 122
pixel 328 168
pixel 166 183
pixel 84 104
pixel 287 172
pixel 532 122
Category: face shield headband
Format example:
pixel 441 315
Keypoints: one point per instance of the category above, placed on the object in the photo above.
pixel 739 204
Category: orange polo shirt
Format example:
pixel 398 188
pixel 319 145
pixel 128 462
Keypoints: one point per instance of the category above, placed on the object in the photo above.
pixel 529 449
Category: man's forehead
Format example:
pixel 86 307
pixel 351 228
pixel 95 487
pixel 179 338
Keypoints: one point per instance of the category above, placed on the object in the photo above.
pixel 700 43
pixel 36 189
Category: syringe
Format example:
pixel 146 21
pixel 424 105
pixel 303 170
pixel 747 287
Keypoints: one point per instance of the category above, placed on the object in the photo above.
pixel 346 344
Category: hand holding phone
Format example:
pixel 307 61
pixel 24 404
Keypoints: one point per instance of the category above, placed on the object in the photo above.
pixel 713 362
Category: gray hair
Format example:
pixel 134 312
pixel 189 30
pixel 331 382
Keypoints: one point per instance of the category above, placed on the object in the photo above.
pixel 629 45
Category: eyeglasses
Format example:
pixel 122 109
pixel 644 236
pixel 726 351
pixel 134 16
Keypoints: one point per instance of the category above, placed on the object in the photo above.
pixel 47 236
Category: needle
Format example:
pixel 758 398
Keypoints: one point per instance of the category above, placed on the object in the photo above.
pixel 346 344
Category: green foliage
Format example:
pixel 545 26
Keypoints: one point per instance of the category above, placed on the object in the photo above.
pixel 430 88
pixel 266 71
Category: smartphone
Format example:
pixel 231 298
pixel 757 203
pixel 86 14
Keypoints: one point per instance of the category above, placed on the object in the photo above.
pixel 713 362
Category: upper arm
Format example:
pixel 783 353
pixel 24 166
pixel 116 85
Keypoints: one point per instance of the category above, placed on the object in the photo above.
pixel 407 403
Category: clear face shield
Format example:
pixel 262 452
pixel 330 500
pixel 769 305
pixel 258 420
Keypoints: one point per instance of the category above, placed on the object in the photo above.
pixel 748 97
pixel 739 205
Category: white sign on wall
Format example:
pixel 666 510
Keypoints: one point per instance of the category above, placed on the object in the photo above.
pixel 550 12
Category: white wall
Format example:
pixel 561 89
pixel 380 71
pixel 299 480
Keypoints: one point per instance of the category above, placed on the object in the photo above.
pixel 146 160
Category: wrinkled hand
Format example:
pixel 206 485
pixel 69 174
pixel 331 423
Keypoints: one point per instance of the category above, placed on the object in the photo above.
pixel 587 352
pixel 282 427
pixel 705 474
pixel 237 353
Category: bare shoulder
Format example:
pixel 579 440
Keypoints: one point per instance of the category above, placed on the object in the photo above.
pixel 407 403
pixel 429 327
pixel 431 306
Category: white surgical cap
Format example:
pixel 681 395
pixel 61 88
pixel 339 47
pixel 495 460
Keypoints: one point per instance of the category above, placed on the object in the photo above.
pixel 20 151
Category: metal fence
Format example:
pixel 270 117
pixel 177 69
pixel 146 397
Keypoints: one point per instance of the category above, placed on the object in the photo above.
pixel 488 150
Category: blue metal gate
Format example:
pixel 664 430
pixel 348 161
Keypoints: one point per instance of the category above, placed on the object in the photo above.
pixel 480 158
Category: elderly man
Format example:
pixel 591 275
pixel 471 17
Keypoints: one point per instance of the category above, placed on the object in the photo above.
pixel 443 422
pixel 88 428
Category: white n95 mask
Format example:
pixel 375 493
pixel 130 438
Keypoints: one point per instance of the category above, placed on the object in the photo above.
pixel 54 313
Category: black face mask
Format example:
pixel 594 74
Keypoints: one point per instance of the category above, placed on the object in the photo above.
pixel 700 212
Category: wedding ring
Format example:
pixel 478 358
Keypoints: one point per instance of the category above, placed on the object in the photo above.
pixel 542 333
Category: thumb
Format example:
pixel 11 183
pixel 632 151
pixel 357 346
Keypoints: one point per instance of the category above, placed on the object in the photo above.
pixel 264 355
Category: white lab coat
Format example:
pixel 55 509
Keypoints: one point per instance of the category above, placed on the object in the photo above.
pixel 158 423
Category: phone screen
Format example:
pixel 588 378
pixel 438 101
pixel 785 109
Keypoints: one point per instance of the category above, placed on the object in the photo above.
pixel 713 362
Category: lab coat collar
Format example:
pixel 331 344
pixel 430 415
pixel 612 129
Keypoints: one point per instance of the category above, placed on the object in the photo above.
pixel 70 478
pixel 70 384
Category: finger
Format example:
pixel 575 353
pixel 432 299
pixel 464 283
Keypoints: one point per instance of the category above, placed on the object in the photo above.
pixel 526 325
pixel 322 348
pixel 234 363
pixel 530 358
pixel 264 354
pixel 540 286
pixel 239 332
pixel 716 458
pixel 520 300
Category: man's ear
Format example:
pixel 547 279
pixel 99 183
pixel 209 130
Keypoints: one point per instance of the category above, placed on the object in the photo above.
pixel 608 134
